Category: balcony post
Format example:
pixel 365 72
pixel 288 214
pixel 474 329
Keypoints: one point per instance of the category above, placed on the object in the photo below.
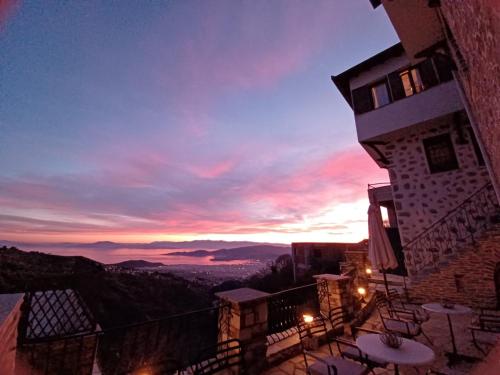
pixel 340 294
pixel 248 324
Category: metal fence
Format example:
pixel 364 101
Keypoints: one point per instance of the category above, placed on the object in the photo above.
pixel 164 346
pixel 285 308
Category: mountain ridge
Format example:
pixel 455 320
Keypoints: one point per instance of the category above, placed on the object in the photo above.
pixel 110 245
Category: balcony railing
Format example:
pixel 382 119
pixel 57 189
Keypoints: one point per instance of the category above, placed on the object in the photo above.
pixel 448 235
pixel 163 346
pixel 287 307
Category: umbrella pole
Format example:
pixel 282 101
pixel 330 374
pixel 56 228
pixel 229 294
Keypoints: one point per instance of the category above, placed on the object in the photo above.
pixel 385 283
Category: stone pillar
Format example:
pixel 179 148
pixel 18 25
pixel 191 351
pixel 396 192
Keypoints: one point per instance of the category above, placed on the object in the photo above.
pixel 248 323
pixel 340 293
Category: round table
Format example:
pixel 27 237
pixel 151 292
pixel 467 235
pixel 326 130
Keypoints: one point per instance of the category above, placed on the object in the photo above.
pixel 409 353
pixel 455 310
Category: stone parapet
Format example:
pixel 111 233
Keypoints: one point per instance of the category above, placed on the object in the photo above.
pixel 247 323
pixel 340 293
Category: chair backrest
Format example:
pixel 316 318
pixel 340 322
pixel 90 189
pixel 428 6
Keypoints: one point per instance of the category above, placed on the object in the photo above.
pixel 336 317
pixel 316 327
pixel 225 355
pixel 393 294
pixel 381 302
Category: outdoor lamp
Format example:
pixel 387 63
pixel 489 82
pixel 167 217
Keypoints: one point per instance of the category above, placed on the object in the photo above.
pixel 308 318
pixel 362 293
pixel 368 271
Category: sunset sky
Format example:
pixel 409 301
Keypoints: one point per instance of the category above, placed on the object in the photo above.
pixel 179 120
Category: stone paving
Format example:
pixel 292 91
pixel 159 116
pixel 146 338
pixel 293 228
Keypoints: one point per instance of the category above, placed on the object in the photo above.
pixel 437 329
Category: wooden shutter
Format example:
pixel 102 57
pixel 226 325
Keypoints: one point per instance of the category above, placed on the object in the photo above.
pixel 427 74
pixel 443 66
pixel 362 99
pixel 397 89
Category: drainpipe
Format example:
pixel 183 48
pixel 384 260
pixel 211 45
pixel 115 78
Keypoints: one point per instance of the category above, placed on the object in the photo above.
pixel 473 124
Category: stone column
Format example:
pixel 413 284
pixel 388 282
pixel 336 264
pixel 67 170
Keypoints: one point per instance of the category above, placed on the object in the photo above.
pixel 340 293
pixel 248 323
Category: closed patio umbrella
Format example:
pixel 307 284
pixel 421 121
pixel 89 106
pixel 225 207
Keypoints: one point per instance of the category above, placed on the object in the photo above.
pixel 380 250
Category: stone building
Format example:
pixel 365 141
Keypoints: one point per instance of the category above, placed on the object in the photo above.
pixel 468 33
pixel 306 255
pixel 427 110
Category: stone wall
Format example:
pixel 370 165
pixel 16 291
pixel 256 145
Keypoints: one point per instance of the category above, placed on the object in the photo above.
pixel 420 197
pixel 476 28
pixel 9 322
pixel 469 279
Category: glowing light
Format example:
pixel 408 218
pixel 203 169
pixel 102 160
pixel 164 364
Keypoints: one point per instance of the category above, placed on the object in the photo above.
pixel 368 271
pixel 308 318
pixel 361 291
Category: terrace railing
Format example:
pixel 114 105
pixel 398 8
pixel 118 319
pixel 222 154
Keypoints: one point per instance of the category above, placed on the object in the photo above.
pixel 163 346
pixel 447 236
pixel 285 308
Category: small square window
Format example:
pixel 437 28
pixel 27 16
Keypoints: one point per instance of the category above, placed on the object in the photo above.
pixel 440 153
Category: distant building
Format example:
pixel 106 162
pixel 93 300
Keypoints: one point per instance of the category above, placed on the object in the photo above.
pixel 308 255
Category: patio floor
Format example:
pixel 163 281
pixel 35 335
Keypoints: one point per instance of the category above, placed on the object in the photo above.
pixel 437 329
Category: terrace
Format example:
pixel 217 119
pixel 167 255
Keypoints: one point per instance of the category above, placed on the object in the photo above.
pixel 246 328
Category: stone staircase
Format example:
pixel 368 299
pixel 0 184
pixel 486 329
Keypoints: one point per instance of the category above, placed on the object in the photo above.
pixel 468 278
pixel 449 237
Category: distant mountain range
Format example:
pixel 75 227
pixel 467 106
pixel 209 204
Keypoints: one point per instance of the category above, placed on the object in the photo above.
pixel 255 252
pixel 108 245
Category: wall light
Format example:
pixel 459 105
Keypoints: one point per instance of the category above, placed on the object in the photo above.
pixel 362 293
pixel 308 318
pixel 368 271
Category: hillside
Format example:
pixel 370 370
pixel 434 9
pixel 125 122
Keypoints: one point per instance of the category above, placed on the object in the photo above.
pixel 115 298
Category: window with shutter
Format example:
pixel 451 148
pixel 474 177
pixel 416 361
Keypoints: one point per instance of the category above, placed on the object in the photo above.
pixel 362 99
pixel 397 88
pixel 444 66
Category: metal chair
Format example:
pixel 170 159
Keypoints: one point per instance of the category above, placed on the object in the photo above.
pixel 225 355
pixel 335 317
pixel 329 364
pixel 349 349
pixel 487 320
pixel 404 322
pixel 414 309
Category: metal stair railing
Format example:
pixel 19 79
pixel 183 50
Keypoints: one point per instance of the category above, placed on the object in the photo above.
pixel 447 236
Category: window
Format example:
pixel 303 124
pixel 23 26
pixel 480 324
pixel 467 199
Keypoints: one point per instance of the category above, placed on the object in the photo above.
pixel 440 153
pixel 380 95
pixel 412 83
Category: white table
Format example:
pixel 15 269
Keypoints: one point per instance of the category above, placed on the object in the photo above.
pixel 455 310
pixel 409 353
